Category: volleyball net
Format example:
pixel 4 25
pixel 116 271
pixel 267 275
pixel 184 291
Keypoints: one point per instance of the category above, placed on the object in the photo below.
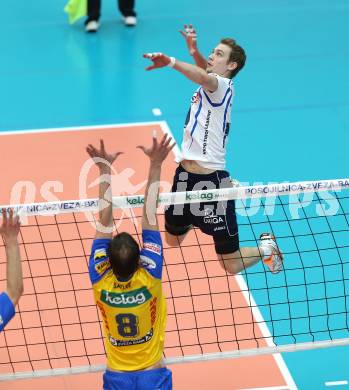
pixel 211 314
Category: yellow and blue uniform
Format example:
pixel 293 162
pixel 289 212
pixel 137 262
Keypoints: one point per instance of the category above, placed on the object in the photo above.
pixel 134 314
pixel 7 310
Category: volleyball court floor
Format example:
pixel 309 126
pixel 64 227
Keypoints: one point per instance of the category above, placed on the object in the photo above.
pixel 46 165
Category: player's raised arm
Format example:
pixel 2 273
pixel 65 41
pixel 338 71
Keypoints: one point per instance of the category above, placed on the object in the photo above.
pixel 157 154
pixel 9 231
pixel 190 35
pixel 104 161
pixel 192 72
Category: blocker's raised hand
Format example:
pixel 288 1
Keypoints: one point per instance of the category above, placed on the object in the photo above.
pixel 100 156
pixel 158 151
pixel 10 224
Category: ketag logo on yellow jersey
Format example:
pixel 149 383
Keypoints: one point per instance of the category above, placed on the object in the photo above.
pixel 126 299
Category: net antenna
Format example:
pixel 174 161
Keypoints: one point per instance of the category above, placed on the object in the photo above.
pixel 211 314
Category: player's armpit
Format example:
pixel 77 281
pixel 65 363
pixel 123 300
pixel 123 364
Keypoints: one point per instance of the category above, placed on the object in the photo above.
pixel 210 83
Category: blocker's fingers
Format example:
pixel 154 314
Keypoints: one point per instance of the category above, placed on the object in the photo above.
pixel 16 220
pixel 10 220
pixel 141 147
pixel 168 141
pixel 117 154
pixel 102 146
pixel 91 149
pixel 163 139
pixel 155 143
pixel 4 216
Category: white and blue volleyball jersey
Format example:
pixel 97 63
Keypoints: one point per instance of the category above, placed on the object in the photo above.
pixel 207 125
pixel 7 310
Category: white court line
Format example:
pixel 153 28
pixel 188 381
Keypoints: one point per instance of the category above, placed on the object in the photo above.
pixel 166 129
pixel 291 385
pixel 80 128
pixel 336 383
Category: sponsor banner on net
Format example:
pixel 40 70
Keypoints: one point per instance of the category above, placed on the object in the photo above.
pixel 299 187
pixel 241 192
pixel 56 207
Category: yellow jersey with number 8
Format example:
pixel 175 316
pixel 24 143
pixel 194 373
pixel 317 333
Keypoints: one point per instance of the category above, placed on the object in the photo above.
pixel 133 311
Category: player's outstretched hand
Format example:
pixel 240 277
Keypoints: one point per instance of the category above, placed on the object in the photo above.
pixel 159 60
pixel 190 36
pixel 10 225
pixel 159 150
pixel 100 156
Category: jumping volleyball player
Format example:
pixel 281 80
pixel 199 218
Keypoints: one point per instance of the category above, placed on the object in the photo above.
pixel 202 165
pixel 127 284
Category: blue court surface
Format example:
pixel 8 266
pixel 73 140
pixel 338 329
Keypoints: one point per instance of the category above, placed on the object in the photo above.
pixel 290 119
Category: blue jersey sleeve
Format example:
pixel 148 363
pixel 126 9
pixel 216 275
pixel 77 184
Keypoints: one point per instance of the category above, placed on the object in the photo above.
pixel 151 257
pixel 99 263
pixel 7 310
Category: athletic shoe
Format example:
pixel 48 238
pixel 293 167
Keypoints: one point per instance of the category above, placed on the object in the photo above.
pixel 273 257
pixel 130 21
pixel 92 26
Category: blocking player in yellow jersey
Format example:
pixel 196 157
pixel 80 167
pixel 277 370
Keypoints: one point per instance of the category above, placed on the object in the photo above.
pixel 126 283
